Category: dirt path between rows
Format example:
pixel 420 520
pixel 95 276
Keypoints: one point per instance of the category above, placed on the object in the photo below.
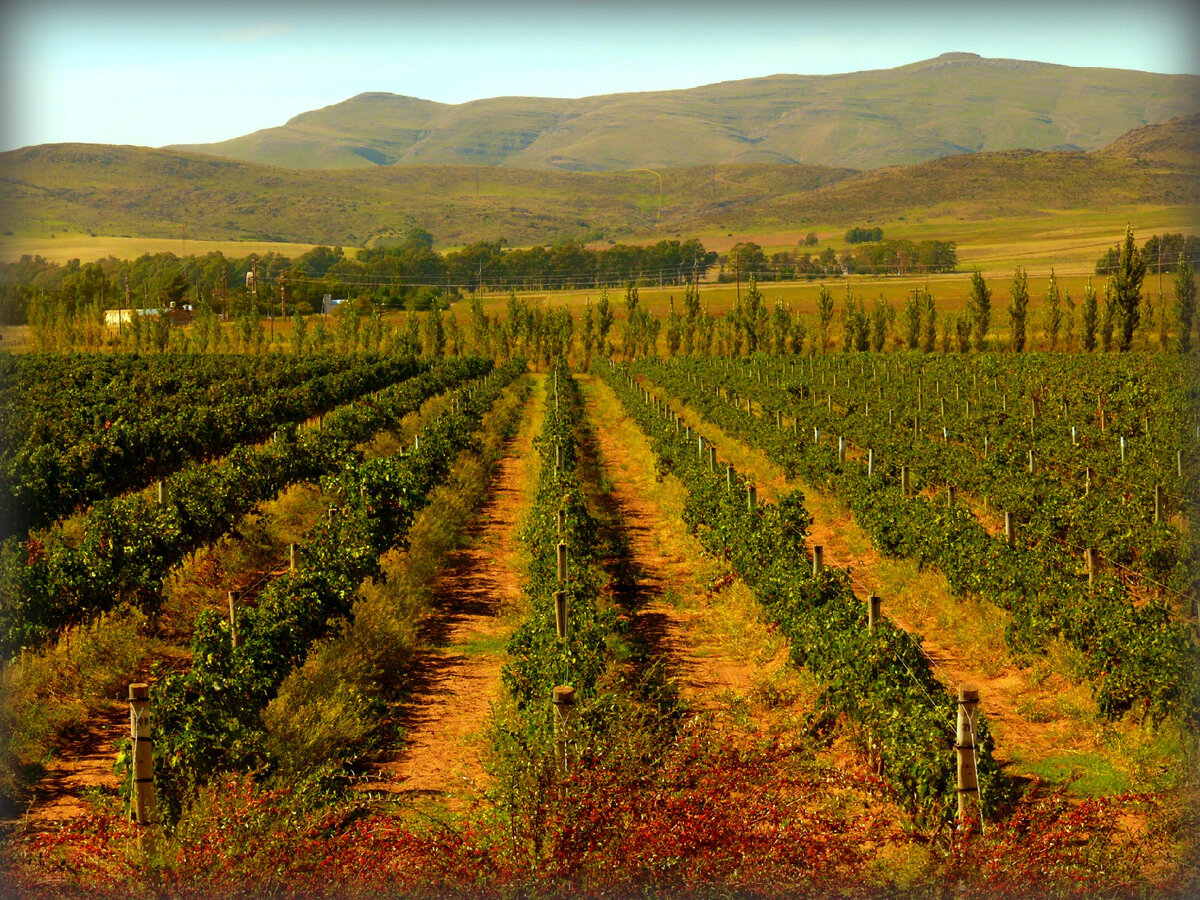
pixel 456 682
pixel 919 604
pixel 670 600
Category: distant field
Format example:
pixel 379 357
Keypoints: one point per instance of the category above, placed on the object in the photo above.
pixel 87 248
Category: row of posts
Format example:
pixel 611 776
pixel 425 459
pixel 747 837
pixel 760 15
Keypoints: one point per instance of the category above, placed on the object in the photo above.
pixel 968 697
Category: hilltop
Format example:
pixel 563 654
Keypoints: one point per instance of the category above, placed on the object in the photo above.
pixel 954 104
pixel 155 193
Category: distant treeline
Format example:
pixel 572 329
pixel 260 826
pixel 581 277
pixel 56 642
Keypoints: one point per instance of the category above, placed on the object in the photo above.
pixel 410 276
pixel 892 257
pixel 1161 253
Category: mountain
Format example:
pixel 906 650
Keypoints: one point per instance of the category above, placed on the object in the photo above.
pixel 152 193
pixel 957 103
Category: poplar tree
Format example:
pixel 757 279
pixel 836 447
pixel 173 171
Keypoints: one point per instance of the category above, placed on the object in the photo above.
pixel 979 305
pixel 1018 308
pixel 1127 289
pixel 1052 314
pixel 1185 302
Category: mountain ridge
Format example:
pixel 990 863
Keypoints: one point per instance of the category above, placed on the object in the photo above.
pixel 145 192
pixel 952 104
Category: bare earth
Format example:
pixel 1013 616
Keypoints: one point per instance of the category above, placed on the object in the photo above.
pixel 672 614
pixel 455 683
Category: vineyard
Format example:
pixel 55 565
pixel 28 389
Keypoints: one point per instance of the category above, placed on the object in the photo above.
pixel 351 624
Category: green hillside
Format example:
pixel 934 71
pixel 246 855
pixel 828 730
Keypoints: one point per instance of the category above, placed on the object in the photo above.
pixel 129 191
pixel 954 104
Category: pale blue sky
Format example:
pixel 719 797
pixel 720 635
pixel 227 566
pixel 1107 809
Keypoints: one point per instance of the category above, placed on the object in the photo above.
pixel 132 72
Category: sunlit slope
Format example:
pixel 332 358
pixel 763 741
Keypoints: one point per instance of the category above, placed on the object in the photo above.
pixel 957 103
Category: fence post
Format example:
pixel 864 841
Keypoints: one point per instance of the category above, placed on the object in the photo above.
pixel 751 497
pixel 143 755
pixel 841 448
pixel 562 562
pixel 160 493
pixel 1074 437
pixel 564 703
pixel 872 612
pixel 816 435
pixel 1032 468
pixel 1092 556
pixel 870 462
pixel 235 638
pixel 291 557
pixel 1010 529
pixel 968 777
pixel 818 559
pixel 561 615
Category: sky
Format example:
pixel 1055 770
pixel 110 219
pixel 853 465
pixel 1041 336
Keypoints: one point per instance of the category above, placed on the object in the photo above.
pixel 153 74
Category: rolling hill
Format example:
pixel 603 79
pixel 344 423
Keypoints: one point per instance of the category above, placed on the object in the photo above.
pixel 954 104
pixel 155 193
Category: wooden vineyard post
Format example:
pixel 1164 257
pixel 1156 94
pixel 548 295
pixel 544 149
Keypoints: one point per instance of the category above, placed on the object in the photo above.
pixel 1032 468
pixel 1122 448
pixel 870 462
pixel 143 755
pixel 291 557
pixel 751 497
pixel 872 612
pixel 564 704
pixel 818 560
pixel 951 494
pixel 841 448
pixel 233 630
pixel 964 746
pixel 1074 436
pixel 712 458
pixel 778 419
pixel 1093 563
pixel 562 522
pixel 986 446
pixel 562 562
pixel 816 435
pixel 1010 529
pixel 904 480
pixel 700 446
pixel 1088 475
pixel 1179 462
pixel 160 493
pixel 558 464
pixel 1157 503
pixel 729 476
pixel 562 622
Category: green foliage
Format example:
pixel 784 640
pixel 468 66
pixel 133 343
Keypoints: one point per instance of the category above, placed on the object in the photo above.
pixel 979 306
pixel 208 718
pixel 76 429
pixel 123 547
pixel 879 679
pixel 1135 653
pixel 1185 303
pixel 1127 290
pixel 860 235
pixel 1018 310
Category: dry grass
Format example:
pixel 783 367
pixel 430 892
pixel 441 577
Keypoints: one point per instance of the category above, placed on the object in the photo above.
pixel 326 709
